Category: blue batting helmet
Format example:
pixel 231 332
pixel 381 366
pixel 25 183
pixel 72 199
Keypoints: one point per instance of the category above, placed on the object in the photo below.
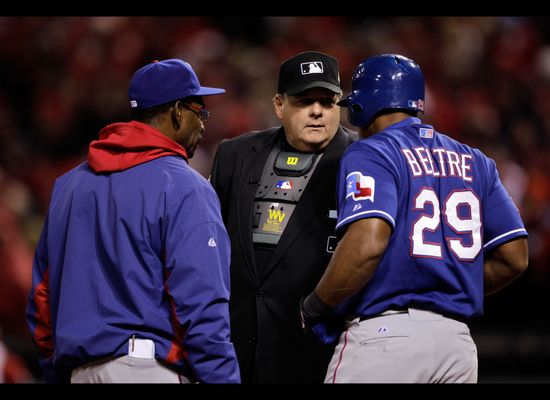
pixel 387 81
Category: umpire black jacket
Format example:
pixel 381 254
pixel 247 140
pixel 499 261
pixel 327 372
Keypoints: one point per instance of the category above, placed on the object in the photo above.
pixel 265 325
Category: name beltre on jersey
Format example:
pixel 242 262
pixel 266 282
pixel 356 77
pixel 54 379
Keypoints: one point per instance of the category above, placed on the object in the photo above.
pixel 421 162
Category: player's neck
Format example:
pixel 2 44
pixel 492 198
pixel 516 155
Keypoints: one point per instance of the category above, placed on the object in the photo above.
pixel 385 120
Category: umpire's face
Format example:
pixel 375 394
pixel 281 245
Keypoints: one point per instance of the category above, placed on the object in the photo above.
pixel 310 118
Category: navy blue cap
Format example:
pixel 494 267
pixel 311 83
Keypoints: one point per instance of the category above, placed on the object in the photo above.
pixel 163 81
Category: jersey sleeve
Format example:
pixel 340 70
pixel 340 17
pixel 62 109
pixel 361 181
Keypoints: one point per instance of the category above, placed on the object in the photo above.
pixel 366 186
pixel 197 261
pixel 502 220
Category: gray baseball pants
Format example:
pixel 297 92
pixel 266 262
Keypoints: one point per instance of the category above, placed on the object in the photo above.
pixel 412 346
pixel 126 369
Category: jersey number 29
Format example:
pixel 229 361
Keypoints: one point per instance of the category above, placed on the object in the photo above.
pixel 470 225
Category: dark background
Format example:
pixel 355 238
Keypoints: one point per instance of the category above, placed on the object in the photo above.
pixel 488 85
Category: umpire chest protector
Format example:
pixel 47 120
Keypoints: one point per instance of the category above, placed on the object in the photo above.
pixel 284 178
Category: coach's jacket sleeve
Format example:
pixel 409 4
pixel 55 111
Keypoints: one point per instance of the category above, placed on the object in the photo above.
pixel 197 262
pixel 38 310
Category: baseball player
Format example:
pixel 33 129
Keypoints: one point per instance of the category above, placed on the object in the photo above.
pixel 427 230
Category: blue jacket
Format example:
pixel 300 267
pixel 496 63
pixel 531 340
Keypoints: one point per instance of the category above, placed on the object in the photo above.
pixel 138 248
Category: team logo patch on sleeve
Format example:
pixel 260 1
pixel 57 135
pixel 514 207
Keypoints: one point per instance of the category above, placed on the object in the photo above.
pixel 360 187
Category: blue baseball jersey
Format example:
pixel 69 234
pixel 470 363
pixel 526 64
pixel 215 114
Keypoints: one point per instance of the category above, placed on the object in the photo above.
pixel 447 207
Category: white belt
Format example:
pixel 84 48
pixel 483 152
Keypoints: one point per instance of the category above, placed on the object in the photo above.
pixel 141 348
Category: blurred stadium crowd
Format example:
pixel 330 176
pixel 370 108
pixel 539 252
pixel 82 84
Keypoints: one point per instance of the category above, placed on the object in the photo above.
pixel 64 78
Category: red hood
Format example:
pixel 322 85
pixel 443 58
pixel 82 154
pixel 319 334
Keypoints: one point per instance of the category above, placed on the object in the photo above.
pixel 126 144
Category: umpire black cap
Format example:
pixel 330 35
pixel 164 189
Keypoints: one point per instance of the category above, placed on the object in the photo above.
pixel 308 70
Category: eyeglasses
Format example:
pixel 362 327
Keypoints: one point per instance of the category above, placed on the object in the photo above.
pixel 198 110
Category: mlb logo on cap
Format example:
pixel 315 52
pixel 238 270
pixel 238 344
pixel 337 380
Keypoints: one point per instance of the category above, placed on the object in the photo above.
pixel 314 67
pixel 310 69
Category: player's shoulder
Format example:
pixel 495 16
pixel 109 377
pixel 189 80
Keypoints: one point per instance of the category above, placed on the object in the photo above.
pixel 463 147
pixel 382 142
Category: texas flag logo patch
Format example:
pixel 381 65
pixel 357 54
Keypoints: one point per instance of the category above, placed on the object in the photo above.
pixel 284 184
pixel 360 187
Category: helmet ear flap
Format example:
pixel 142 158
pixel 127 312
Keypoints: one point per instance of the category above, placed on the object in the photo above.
pixel 356 108
pixel 356 113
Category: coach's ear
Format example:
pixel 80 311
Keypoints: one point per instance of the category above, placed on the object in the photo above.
pixel 176 115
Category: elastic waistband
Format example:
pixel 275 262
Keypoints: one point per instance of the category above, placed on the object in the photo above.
pixel 416 314
pixel 387 312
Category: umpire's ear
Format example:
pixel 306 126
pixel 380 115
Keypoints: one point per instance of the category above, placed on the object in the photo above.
pixel 278 103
